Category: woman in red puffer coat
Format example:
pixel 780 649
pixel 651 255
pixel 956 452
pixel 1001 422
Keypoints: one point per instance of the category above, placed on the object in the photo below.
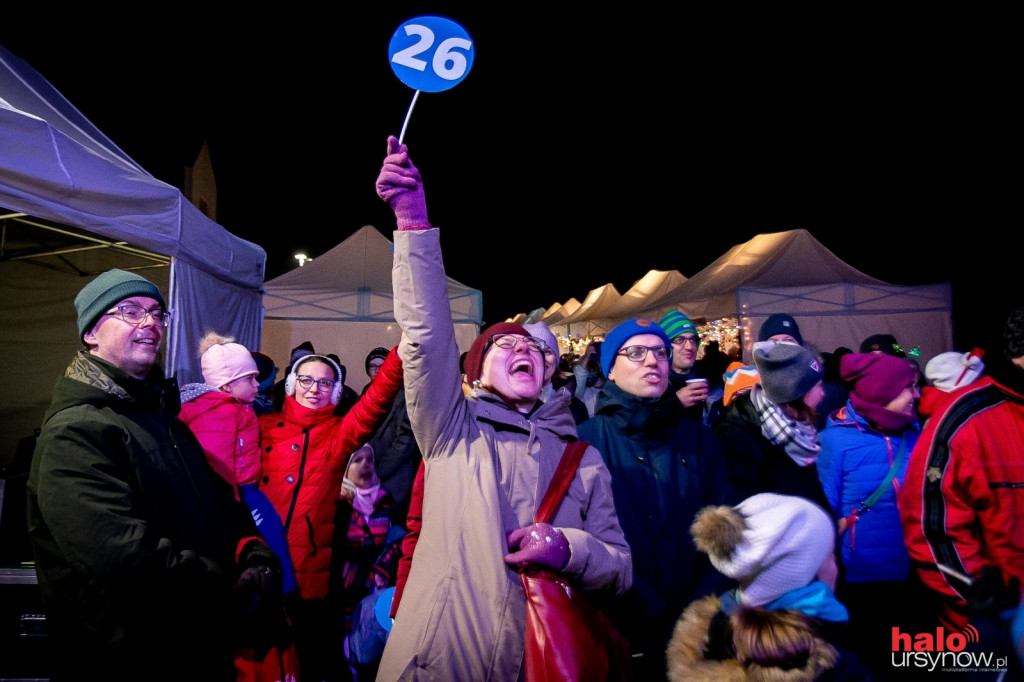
pixel 305 451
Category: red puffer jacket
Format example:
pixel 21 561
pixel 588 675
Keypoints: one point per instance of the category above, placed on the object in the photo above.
pixel 229 433
pixel 304 457
pixel 963 497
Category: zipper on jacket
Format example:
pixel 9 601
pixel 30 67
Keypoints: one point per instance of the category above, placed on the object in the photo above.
pixel 298 481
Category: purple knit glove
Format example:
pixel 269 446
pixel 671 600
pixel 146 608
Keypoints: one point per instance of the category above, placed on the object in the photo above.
pixel 400 185
pixel 541 544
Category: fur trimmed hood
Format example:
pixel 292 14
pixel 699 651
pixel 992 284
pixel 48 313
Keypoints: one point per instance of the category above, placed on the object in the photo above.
pixel 749 645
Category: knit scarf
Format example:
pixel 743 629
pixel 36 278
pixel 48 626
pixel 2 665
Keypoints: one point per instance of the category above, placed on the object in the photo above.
pixel 879 417
pixel 364 499
pixel 798 439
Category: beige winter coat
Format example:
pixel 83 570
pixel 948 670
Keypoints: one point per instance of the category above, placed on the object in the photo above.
pixel 462 615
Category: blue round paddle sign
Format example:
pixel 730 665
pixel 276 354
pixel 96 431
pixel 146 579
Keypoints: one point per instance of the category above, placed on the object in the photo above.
pixel 431 54
pixel 382 609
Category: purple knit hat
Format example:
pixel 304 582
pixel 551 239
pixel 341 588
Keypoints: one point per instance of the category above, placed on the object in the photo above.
pixel 876 378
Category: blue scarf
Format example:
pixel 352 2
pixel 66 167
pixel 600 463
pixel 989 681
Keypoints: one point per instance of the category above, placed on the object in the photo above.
pixel 816 600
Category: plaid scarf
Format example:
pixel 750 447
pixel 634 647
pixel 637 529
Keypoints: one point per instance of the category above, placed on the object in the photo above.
pixel 798 439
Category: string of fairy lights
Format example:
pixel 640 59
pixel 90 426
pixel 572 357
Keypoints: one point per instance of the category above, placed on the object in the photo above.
pixel 725 330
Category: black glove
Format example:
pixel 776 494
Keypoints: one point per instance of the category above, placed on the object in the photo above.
pixel 258 553
pixel 990 595
pixel 257 594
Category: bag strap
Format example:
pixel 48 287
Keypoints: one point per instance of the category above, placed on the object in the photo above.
pixel 559 485
pixel 868 503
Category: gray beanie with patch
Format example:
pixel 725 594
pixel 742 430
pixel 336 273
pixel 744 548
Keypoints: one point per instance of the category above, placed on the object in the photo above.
pixel 787 371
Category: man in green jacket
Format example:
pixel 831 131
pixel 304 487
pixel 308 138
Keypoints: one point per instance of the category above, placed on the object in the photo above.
pixel 148 567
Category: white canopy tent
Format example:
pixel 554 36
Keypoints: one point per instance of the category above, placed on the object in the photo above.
pixel 584 321
pixel 559 311
pixel 72 204
pixel 342 302
pixel 834 303
pixel 646 292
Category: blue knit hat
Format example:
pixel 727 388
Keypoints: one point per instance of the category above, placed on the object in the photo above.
pixel 108 288
pixel 617 337
pixel 675 323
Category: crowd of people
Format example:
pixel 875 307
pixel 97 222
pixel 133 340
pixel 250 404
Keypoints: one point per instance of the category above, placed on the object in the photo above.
pixel 806 516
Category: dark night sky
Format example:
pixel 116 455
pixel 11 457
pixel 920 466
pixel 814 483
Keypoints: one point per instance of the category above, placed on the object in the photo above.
pixel 601 145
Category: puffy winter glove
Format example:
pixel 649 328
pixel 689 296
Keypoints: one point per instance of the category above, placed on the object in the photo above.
pixel 541 544
pixel 990 595
pixel 257 594
pixel 400 185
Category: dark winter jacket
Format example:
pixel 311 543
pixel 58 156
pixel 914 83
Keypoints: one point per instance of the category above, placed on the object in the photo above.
pixel 664 468
pixel 677 381
pixel 755 464
pixel 396 456
pixel 134 536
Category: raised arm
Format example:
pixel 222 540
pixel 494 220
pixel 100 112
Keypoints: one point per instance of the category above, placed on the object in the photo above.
pixel 430 355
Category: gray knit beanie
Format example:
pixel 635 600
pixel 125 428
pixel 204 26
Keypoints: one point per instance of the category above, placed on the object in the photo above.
pixel 108 288
pixel 787 371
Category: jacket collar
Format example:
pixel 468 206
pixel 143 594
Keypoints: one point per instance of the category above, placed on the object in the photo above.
pixel 554 415
pixel 638 414
pixel 90 379
pixel 303 417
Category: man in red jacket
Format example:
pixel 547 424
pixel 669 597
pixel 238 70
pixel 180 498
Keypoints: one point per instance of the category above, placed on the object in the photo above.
pixel 962 502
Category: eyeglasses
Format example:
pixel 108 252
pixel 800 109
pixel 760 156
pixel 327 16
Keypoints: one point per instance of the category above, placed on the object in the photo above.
pixel 136 314
pixel 639 353
pixel 685 341
pixel 307 382
pixel 508 341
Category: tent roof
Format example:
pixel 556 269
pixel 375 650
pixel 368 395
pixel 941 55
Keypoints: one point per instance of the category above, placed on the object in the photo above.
pixel 778 259
pixel 559 311
pixel 74 205
pixel 596 302
pixel 352 281
pixel 646 292
pixel 57 166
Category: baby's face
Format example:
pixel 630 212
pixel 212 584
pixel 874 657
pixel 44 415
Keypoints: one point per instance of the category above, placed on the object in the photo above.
pixel 361 467
pixel 243 389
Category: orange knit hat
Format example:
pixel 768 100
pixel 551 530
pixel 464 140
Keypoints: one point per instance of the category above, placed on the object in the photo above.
pixel 739 378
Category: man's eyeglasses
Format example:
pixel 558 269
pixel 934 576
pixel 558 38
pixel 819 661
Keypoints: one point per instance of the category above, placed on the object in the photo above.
pixel 136 314
pixel 307 382
pixel 685 341
pixel 639 353
pixel 508 341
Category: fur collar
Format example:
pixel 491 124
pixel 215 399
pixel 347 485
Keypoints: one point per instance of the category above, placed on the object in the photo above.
pixel 688 650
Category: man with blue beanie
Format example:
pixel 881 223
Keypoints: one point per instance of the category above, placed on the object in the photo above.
pixel 664 470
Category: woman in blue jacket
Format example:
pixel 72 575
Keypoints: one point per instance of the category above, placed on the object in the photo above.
pixel 873 433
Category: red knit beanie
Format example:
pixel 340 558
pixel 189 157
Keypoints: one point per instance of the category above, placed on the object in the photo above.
pixel 876 378
pixel 475 356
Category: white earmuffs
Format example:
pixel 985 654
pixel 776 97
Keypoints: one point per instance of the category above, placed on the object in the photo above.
pixel 339 381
